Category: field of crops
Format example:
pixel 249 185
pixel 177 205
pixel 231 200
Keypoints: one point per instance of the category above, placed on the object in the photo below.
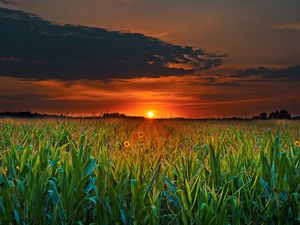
pixel 149 172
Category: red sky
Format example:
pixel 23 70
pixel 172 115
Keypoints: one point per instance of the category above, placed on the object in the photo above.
pixel 188 96
pixel 259 73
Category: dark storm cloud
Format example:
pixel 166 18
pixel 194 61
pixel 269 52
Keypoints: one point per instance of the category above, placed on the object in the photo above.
pixel 12 2
pixel 291 73
pixel 38 49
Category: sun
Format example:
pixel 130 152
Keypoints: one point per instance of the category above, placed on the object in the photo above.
pixel 150 114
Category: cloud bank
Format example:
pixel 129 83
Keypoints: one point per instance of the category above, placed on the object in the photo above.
pixel 183 96
pixel 12 2
pixel 38 49
pixel 291 73
pixel 287 26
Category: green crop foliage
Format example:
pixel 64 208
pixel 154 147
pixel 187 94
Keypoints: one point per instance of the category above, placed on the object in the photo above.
pixel 138 172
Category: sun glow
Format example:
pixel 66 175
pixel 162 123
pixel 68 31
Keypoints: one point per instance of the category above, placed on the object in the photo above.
pixel 150 114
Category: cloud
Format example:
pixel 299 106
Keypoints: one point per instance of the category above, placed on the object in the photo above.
pixel 287 26
pixel 291 73
pixel 175 94
pixel 12 2
pixel 38 49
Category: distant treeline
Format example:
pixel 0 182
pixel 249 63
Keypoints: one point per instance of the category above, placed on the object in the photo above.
pixel 279 114
pixel 119 115
pixel 28 115
pixel 38 115
pixel 282 114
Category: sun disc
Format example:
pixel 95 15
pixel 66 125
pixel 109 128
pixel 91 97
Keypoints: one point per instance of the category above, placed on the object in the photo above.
pixel 150 114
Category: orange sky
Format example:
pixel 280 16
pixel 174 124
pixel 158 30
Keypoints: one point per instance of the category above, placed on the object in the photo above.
pixel 187 96
pixel 252 34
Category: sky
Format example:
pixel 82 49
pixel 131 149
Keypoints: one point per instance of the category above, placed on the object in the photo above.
pixel 177 58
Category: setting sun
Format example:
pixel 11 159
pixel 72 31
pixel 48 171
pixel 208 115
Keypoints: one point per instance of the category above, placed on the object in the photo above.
pixel 150 114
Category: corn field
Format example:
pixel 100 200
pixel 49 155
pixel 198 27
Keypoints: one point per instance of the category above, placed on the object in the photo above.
pixel 136 172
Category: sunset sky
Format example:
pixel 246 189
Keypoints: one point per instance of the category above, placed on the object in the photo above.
pixel 189 58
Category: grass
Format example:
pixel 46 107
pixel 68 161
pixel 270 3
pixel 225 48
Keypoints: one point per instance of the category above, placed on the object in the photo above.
pixel 149 172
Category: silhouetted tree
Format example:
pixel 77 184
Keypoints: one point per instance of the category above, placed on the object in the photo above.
pixel 114 115
pixel 282 114
pixel 261 116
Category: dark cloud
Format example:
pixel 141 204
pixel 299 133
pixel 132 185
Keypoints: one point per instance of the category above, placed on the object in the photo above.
pixel 35 48
pixel 12 2
pixel 291 73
